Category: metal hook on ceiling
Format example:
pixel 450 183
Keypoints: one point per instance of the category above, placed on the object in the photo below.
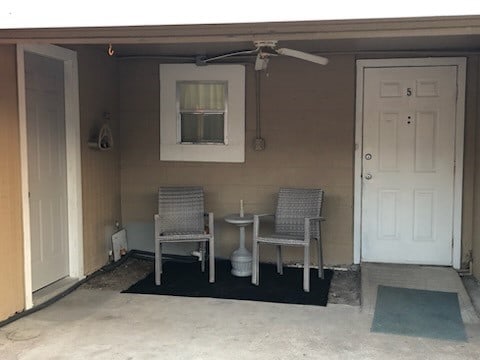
pixel 110 50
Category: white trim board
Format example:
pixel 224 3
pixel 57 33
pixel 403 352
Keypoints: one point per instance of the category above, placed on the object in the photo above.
pixel 74 178
pixel 460 63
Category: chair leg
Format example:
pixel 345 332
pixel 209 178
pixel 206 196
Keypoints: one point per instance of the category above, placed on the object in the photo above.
pixel 306 268
pixel 254 262
pixel 202 254
pixel 158 262
pixel 211 260
pixel 279 260
pixel 320 258
pixel 257 262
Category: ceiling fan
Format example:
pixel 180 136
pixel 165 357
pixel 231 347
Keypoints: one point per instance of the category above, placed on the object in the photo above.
pixel 264 50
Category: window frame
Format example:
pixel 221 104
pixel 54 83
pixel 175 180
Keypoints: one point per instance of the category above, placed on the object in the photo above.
pixel 233 150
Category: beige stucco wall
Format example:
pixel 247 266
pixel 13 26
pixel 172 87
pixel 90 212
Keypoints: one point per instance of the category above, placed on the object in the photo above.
pixel 475 78
pixel 307 114
pixel 98 91
pixel 11 239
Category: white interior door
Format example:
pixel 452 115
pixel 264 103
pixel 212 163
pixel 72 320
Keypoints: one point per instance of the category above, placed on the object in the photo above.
pixel 45 111
pixel 408 164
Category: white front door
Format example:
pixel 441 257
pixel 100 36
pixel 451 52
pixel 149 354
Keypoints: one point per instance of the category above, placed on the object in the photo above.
pixel 408 164
pixel 45 111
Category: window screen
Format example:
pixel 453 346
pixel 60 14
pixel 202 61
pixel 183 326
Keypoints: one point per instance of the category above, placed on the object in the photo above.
pixel 201 111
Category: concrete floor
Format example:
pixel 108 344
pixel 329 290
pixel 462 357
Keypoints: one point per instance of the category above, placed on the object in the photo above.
pixel 104 324
pixel 96 321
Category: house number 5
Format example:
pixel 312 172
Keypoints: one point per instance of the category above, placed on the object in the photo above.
pixel 409 91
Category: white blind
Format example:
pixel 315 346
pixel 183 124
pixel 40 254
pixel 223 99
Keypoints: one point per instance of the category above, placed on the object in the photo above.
pixel 194 96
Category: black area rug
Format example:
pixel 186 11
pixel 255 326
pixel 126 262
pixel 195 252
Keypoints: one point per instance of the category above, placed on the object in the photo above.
pixel 186 279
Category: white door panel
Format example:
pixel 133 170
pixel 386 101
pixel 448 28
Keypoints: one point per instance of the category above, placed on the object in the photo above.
pixel 45 104
pixel 408 164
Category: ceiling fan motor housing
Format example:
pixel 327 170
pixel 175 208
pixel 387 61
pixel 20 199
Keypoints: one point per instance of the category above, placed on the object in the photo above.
pixel 265 43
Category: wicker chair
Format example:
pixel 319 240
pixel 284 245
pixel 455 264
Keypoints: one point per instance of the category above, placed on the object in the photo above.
pixel 297 222
pixel 181 218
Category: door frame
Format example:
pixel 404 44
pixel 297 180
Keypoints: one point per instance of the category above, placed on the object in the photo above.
pixel 73 160
pixel 361 65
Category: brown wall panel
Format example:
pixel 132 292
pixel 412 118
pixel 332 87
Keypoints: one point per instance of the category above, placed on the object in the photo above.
pixel 11 239
pixel 100 169
pixel 470 155
pixel 474 77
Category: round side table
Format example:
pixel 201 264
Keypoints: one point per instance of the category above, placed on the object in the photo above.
pixel 241 258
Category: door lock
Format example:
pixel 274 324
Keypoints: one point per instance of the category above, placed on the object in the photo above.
pixel 368 176
pixel 368 156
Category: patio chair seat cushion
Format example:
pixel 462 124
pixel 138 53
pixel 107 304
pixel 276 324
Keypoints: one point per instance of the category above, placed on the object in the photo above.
pixel 173 233
pixel 281 236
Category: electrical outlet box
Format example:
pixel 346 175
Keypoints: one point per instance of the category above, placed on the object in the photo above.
pixel 259 144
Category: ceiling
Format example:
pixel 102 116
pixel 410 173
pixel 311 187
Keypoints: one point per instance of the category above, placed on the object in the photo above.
pixel 435 34
pixel 462 43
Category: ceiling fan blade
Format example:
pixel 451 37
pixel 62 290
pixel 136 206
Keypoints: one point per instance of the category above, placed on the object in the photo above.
pixel 261 62
pixel 303 55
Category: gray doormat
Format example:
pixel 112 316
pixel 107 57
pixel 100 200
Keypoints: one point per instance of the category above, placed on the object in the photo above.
pixel 433 278
pixel 423 313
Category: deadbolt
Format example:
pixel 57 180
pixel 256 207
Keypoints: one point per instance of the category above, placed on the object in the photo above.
pixel 368 156
pixel 368 176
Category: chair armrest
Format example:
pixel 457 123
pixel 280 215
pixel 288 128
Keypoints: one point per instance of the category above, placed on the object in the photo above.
pixel 211 229
pixel 308 220
pixel 156 219
pixel 256 223
pixel 263 215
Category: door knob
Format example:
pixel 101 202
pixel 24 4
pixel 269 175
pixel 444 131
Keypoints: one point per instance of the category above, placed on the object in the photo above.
pixel 368 156
pixel 368 176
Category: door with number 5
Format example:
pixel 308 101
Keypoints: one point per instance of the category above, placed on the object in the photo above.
pixel 408 164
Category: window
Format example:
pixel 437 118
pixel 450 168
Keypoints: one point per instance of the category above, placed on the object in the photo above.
pixel 202 112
